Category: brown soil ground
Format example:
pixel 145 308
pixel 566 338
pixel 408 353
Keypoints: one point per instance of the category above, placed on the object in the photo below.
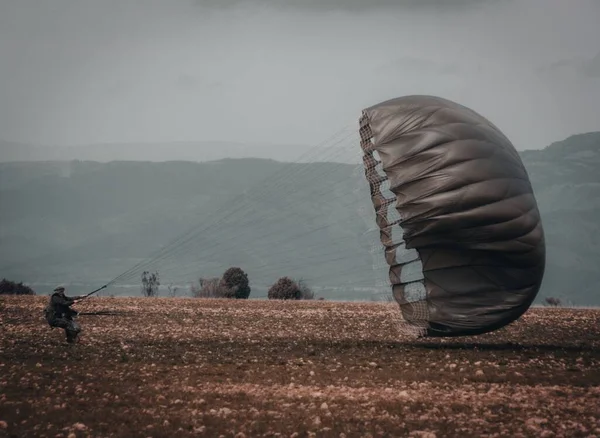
pixel 185 367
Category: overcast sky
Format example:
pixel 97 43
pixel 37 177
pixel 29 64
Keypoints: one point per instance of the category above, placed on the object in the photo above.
pixel 289 71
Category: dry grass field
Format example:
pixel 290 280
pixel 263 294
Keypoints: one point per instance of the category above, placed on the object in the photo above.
pixel 185 367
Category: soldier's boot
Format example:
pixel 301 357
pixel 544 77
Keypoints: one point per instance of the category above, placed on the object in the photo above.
pixel 72 336
pixel 73 331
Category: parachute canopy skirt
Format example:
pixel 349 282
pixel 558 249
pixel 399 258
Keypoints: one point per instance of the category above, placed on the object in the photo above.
pixel 457 216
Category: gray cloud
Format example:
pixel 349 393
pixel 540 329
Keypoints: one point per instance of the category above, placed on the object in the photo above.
pixel 584 66
pixel 346 5
pixel 421 66
pixel 101 71
pixel 592 67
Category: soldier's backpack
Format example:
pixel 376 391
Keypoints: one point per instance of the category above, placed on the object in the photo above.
pixel 49 314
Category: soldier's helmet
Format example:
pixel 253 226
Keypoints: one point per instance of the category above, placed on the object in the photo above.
pixel 59 289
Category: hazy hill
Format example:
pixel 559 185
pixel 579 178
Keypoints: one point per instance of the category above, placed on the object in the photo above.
pixel 156 152
pixel 89 221
pixel 566 179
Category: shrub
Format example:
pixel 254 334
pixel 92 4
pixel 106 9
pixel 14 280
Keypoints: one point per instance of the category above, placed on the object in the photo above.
pixel 11 288
pixel 285 289
pixel 235 281
pixel 555 302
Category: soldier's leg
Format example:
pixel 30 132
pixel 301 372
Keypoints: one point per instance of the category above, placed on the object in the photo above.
pixel 67 325
pixel 72 331
pixel 59 322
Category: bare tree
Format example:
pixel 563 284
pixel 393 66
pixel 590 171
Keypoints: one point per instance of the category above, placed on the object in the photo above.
pixel 208 288
pixel 305 291
pixel 172 290
pixel 150 284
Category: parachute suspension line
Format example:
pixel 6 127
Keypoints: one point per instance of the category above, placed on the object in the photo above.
pixel 223 212
pixel 404 264
pixel 279 226
pixel 313 259
pixel 381 292
pixel 305 156
pixel 291 238
pixel 333 255
pixel 254 218
pixel 217 225
pixel 185 237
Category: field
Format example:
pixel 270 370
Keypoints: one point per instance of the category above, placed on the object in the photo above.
pixel 185 367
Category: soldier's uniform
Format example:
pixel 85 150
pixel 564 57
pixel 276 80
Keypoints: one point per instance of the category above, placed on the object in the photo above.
pixel 59 314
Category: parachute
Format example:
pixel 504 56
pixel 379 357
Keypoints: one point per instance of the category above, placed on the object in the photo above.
pixel 457 216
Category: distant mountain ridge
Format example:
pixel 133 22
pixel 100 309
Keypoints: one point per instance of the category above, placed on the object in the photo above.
pixel 88 221
pixel 199 151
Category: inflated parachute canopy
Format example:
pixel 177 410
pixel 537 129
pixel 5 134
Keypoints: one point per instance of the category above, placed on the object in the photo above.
pixel 457 215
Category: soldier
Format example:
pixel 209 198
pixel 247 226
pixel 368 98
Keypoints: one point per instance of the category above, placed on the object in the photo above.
pixel 59 313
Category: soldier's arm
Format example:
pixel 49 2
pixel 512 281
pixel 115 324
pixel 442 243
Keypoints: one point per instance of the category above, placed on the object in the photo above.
pixel 66 301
